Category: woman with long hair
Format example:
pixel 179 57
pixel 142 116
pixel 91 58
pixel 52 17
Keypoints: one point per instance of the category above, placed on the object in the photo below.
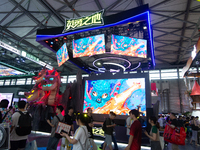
pixel 154 134
pixel 81 134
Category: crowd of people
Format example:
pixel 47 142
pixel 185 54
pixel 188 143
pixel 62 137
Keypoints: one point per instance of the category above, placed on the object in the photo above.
pixel 83 137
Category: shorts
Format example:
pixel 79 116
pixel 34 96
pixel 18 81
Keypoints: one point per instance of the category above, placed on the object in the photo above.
pixel 108 139
pixel 17 144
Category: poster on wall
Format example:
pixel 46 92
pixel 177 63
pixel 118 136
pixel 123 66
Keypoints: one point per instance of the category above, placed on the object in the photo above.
pixel 89 46
pixel 117 95
pixel 128 46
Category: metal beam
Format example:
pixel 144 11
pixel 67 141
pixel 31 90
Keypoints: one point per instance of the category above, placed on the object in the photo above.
pixel 98 4
pixel 52 10
pixel 32 30
pixel 139 2
pixel 15 19
pixel 171 44
pixel 158 4
pixel 26 12
pixel 173 18
pixel 11 11
pixel 111 6
pixel 72 8
pixel 183 28
pixel 171 33
pixel 190 41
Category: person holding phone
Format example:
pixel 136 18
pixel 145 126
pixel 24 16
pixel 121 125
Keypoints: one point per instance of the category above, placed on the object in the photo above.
pixel 154 134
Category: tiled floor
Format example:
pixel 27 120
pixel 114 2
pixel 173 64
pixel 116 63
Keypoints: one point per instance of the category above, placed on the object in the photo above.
pixel 43 139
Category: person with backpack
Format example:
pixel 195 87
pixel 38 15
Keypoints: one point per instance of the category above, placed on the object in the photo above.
pixel 54 139
pixel 80 140
pixel 108 130
pixel 5 114
pixel 21 127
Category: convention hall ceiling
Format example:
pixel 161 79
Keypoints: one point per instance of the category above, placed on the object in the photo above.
pixel 175 26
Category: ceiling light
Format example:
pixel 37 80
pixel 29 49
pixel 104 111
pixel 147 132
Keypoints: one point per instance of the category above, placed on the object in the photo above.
pixel 47 41
pixel 16 46
pixel 99 63
pixel 49 63
pixel 10 43
pixel 51 42
pixel 144 27
pixel 56 40
pixel 51 45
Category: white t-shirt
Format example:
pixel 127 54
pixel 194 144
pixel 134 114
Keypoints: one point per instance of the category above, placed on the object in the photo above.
pixel 129 122
pixel 80 136
pixel 13 135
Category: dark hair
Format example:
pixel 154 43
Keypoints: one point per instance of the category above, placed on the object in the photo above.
pixel 197 116
pixel 180 117
pixel 70 108
pixel 21 104
pixel 155 121
pixel 10 107
pixel 112 113
pixel 89 109
pixel 135 112
pixel 173 114
pixel 4 103
pixel 83 118
pixel 192 117
pixel 60 107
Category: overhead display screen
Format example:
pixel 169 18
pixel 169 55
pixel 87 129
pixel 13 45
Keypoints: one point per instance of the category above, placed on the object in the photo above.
pixel 5 71
pixel 128 46
pixel 62 55
pixel 89 46
pixel 117 95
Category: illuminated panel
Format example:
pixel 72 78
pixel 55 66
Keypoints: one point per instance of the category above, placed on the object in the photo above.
pixel 5 71
pixel 128 46
pixel 7 96
pixel 89 46
pixel 117 95
pixel 62 55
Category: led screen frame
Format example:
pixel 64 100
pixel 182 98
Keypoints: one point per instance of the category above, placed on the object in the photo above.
pixel 62 55
pixel 129 46
pixel 89 46
pixel 145 76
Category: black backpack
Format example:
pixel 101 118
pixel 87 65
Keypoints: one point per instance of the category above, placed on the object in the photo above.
pixel 24 124
pixel 104 125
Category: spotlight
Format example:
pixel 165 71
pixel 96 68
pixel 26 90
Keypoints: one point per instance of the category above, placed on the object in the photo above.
pixel 51 45
pixel 17 58
pixel 51 42
pixel 18 61
pixel 10 43
pixel 144 27
pixel 56 40
pixel 49 63
pixel 64 38
pixel 16 46
pixel 47 41
pixel 99 63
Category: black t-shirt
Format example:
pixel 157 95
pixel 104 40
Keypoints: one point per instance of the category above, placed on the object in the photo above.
pixel 174 122
pixel 109 130
pixel 181 123
pixel 69 119
pixel 90 120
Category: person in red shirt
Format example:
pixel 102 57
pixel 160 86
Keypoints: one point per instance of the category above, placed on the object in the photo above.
pixel 135 132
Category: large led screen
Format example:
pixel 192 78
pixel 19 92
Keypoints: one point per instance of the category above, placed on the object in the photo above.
pixel 128 46
pixel 62 55
pixel 7 96
pixel 117 95
pixel 89 46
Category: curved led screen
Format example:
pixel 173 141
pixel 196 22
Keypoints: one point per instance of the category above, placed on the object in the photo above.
pixel 128 46
pixel 89 46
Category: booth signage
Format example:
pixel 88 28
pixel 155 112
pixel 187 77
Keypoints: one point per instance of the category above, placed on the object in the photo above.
pixel 98 131
pixel 91 20
pixel 10 48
